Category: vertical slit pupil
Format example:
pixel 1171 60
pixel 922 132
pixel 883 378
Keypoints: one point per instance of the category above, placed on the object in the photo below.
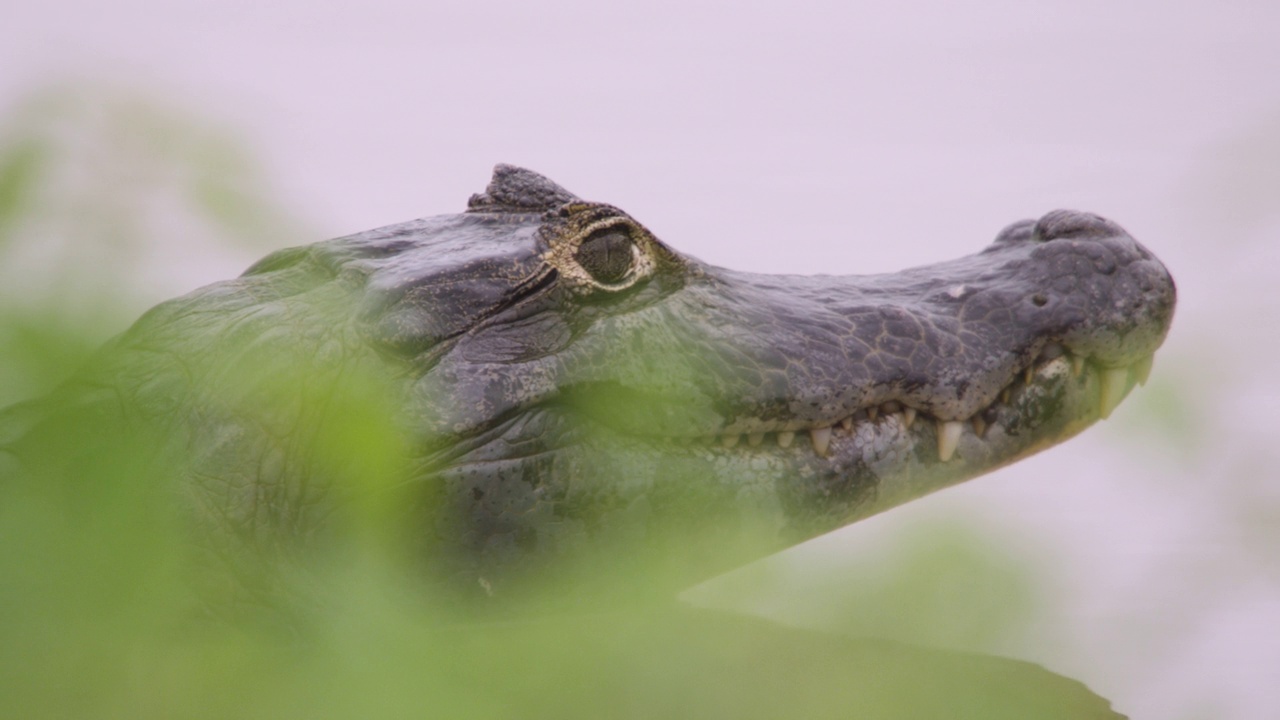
pixel 606 255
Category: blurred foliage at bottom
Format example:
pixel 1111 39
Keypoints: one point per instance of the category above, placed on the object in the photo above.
pixel 107 613
pixel 100 621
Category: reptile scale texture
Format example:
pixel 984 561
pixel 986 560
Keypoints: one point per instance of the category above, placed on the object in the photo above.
pixel 571 387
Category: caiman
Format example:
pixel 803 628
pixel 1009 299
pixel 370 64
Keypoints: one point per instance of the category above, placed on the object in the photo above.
pixel 570 388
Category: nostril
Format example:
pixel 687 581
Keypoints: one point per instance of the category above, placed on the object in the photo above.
pixel 1039 300
pixel 1068 224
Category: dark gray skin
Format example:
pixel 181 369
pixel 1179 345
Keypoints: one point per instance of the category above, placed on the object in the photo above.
pixel 571 389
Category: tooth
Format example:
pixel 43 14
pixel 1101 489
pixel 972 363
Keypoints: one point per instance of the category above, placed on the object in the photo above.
pixel 754 439
pixel 729 440
pixel 948 438
pixel 1004 395
pixel 821 438
pixel 979 425
pixel 1028 374
pixel 873 412
pixel 1114 382
pixel 1142 369
pixel 847 423
pixel 785 437
pixel 1077 365
pixel 908 417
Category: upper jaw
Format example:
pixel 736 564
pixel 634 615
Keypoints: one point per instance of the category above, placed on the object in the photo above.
pixel 1018 407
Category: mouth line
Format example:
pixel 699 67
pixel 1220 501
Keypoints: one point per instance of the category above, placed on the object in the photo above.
pixel 1114 384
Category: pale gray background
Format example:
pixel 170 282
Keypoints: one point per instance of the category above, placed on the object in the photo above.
pixel 824 137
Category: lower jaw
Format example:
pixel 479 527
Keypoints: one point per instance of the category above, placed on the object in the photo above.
pixel 871 466
pixel 877 463
pixel 907 463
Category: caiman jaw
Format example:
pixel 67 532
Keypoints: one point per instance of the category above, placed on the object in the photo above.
pixel 1113 385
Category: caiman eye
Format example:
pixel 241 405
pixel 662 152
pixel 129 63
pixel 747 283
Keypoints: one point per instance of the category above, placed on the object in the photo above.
pixel 607 254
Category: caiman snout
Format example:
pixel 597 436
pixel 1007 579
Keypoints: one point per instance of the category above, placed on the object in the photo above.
pixel 952 341
pixel 1115 299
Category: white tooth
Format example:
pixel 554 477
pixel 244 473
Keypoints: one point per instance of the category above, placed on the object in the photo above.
pixel 1077 365
pixel 979 425
pixel 754 439
pixel 785 438
pixel 1114 383
pixel 821 438
pixel 908 417
pixel 729 440
pixel 948 438
pixel 1142 369
pixel 847 423
pixel 873 412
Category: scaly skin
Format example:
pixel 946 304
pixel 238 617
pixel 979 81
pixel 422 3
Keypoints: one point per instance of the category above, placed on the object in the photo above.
pixel 570 387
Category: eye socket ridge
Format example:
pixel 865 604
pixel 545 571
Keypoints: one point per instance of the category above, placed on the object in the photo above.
pixel 608 254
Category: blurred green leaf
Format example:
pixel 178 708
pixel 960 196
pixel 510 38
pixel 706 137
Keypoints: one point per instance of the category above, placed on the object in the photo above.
pixel 21 166
pixel 950 583
pixel 40 349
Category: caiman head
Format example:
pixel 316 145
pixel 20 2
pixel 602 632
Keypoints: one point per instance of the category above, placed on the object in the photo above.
pixel 571 386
